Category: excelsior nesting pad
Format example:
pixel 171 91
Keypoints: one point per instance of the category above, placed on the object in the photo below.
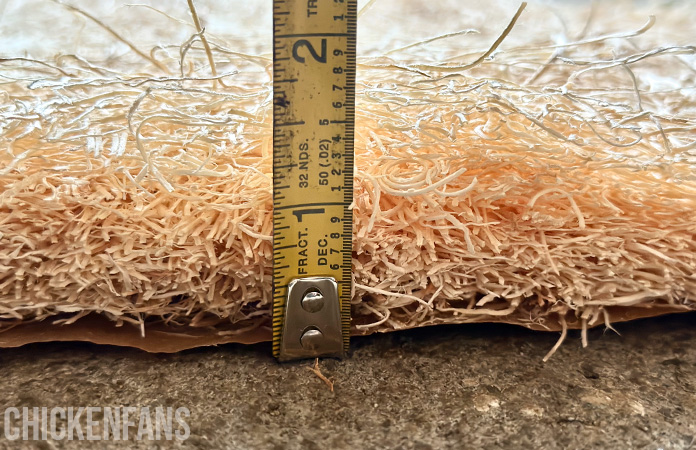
pixel 534 166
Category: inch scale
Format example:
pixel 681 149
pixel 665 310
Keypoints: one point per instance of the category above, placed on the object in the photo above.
pixel 314 50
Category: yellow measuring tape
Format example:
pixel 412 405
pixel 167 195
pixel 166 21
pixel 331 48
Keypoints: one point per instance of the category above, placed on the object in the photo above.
pixel 314 49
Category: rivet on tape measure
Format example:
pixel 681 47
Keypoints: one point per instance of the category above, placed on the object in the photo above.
pixel 313 130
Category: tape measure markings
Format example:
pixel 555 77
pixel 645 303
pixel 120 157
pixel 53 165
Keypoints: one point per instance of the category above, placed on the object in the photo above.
pixel 314 48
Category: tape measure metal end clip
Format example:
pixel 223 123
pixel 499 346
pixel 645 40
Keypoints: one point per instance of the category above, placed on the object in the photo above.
pixel 312 325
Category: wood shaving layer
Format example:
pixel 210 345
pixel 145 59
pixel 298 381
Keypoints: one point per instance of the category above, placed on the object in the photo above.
pixel 545 185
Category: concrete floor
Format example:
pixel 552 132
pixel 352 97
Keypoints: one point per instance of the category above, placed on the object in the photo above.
pixel 478 386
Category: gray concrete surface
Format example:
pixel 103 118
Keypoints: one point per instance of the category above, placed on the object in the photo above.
pixel 480 386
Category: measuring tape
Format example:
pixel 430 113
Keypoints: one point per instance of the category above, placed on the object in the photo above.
pixel 313 130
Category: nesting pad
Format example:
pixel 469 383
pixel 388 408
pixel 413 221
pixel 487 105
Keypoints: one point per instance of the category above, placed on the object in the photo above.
pixel 533 166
